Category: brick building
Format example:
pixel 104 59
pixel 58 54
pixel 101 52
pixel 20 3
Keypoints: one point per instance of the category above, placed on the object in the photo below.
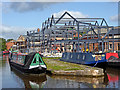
pixel 10 44
pixel 22 42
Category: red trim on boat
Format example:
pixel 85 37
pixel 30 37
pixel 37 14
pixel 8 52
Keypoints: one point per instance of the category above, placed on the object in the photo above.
pixel 108 55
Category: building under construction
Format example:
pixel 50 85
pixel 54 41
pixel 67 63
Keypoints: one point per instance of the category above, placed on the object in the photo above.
pixel 71 34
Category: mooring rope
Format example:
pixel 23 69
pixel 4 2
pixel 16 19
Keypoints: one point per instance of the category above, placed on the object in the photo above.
pixel 95 64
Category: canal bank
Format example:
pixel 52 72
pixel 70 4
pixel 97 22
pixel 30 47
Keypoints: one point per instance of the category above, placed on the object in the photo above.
pixel 57 67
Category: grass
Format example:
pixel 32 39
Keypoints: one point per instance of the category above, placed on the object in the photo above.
pixel 54 65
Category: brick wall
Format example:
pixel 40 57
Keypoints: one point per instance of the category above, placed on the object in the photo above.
pixel 9 45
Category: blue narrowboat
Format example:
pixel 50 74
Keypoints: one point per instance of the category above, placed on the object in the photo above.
pixel 91 59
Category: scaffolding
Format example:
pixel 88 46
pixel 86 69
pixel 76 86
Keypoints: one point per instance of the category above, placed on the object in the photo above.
pixel 72 35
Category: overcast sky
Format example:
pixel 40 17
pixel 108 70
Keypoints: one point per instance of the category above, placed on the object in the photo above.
pixel 19 17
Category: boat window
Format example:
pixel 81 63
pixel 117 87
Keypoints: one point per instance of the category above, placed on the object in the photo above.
pixel 64 55
pixel 40 60
pixel 83 57
pixel 78 57
pixel 34 60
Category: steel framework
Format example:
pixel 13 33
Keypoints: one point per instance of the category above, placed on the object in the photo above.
pixel 72 34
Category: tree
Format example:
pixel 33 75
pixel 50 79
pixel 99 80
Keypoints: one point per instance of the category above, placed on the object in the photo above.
pixel 9 40
pixel 2 44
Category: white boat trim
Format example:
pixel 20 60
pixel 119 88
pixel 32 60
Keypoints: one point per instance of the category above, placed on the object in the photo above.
pixel 44 66
pixel 31 67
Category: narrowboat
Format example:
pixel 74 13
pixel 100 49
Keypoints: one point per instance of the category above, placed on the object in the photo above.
pixel 28 63
pixel 5 52
pixel 90 59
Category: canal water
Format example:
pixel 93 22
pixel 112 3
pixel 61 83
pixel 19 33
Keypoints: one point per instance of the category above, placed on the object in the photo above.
pixel 13 79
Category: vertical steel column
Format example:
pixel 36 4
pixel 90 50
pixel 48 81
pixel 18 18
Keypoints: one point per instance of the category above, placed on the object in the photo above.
pixel 98 39
pixel 30 41
pixel 93 46
pixel 55 42
pixel 33 40
pixel 43 41
pixel 108 44
pixel 27 42
pixel 91 35
pixel 73 46
pixel 72 39
pixel 88 46
pixel 64 35
pixel 50 41
pixel 87 43
pixel 64 46
pixel 60 48
pixel 50 47
pixel 113 41
pixel 67 39
pixel 102 46
pixel 108 38
pixel 85 46
pixel 78 36
pixel 48 37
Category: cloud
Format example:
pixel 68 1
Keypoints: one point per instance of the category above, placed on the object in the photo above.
pixel 115 18
pixel 75 14
pixel 26 6
pixel 13 31
pixel 38 5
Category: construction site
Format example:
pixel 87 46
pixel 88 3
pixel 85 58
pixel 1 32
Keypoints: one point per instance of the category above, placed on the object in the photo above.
pixel 71 34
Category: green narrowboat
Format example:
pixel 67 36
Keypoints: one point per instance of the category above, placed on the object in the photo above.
pixel 28 63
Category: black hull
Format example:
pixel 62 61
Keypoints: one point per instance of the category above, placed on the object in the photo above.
pixel 22 69
pixel 102 65
pixel 114 65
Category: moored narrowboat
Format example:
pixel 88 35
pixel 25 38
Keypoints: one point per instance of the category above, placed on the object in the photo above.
pixel 5 52
pixel 27 63
pixel 91 59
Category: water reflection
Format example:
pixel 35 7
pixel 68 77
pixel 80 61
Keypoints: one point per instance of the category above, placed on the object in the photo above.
pixel 51 81
pixel 113 77
pixel 30 81
pixel 74 82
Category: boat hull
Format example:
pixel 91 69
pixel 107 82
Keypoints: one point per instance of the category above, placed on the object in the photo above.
pixel 114 63
pixel 24 70
pixel 100 65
